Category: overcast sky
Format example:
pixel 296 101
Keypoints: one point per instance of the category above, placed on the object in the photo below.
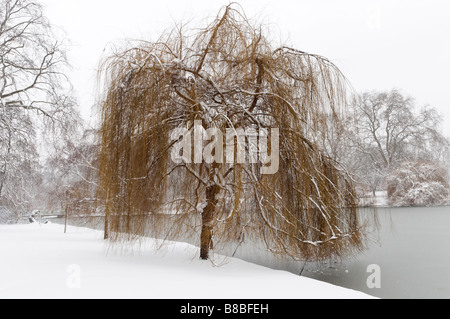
pixel 378 45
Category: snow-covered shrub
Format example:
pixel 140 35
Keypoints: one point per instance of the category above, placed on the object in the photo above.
pixel 418 184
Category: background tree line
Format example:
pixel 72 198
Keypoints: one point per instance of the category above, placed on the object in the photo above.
pixel 390 144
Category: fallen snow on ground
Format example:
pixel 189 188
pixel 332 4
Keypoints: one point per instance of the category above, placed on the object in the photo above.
pixel 40 261
pixel 381 199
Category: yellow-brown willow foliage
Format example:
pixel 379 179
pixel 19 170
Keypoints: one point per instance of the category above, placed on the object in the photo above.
pixel 226 75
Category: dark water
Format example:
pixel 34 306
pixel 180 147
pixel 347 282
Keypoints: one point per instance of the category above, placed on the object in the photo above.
pixel 410 252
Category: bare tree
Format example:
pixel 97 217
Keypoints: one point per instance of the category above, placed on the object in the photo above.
pixel 34 89
pixel 224 78
pixel 390 130
pixel 16 132
pixel 31 60
pixel 70 175
pixel 19 164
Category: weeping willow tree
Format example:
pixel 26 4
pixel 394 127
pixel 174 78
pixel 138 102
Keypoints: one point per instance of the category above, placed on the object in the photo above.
pixel 229 78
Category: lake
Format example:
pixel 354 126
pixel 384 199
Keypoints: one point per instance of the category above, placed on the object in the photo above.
pixel 410 251
pixel 413 252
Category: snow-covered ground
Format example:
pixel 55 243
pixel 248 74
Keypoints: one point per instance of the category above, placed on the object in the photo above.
pixel 381 199
pixel 40 261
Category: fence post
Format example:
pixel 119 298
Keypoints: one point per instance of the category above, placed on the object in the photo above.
pixel 66 212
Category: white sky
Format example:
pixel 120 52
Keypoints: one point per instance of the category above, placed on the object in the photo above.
pixel 378 44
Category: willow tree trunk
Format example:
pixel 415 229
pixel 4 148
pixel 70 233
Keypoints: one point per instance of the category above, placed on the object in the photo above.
pixel 206 242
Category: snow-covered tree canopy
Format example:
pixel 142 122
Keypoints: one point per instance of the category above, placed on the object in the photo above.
pixel 225 76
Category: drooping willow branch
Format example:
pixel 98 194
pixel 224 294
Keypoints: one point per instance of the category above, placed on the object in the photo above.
pixel 227 77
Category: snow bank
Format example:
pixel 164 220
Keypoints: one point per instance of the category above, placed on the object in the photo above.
pixel 40 261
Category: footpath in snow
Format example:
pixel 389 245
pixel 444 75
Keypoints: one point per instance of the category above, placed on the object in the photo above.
pixel 39 261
